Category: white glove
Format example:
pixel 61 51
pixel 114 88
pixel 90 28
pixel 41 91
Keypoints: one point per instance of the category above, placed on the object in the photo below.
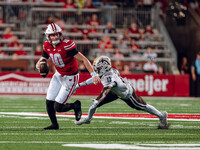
pixel 94 104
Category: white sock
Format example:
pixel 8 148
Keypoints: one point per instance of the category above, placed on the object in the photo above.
pixel 91 113
pixel 152 110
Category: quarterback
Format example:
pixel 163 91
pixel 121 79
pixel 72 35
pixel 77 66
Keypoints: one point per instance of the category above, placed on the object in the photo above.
pixel 64 55
pixel 116 87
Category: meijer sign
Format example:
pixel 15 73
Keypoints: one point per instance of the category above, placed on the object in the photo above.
pixel 144 84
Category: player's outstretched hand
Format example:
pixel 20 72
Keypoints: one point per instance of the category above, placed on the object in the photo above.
pixel 96 80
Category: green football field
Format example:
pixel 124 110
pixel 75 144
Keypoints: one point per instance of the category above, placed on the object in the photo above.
pixel 22 120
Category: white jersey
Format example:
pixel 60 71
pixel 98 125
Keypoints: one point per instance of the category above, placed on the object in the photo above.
pixel 120 86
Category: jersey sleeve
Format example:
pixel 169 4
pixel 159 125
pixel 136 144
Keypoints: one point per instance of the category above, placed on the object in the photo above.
pixel 69 45
pixel 72 52
pixel 108 81
pixel 45 53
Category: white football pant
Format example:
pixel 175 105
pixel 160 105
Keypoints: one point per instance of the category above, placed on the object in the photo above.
pixel 61 87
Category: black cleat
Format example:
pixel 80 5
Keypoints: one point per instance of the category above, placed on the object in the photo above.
pixel 77 110
pixel 52 127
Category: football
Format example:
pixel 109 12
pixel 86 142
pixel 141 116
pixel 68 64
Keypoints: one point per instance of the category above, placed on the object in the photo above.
pixel 44 68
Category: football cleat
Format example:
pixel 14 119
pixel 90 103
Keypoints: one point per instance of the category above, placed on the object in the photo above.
pixel 163 121
pixel 82 121
pixel 77 110
pixel 52 127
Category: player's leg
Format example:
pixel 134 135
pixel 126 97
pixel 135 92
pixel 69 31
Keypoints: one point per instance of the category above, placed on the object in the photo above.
pixel 68 85
pixel 109 98
pixel 52 92
pixel 138 103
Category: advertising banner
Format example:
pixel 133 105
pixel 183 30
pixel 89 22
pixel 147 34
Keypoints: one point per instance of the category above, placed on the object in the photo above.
pixel 144 84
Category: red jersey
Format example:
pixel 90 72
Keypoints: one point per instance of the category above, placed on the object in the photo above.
pixel 62 56
pixel 20 52
pixel 136 31
pixel 93 22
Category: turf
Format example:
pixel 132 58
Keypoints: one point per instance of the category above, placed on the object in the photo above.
pixel 20 132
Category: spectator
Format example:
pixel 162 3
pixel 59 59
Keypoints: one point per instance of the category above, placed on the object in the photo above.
pixel 150 66
pixel 69 4
pixel 2 53
pixel 105 43
pixel 80 3
pixel 121 44
pixel 148 37
pixel 94 21
pixel 14 42
pixel 59 21
pixel 49 20
pixel 118 65
pixel 92 29
pixel 134 50
pixel 109 28
pixel 38 51
pixel 160 70
pixel 89 4
pixel 184 67
pixel 132 30
pixel 7 33
pixel 148 29
pixel 195 72
pixel 69 16
pixel 1 21
pixel 85 37
pixel 132 67
pixel 149 53
pixel 194 4
pixel 117 54
pixel 75 28
pixel 126 70
pixel 19 52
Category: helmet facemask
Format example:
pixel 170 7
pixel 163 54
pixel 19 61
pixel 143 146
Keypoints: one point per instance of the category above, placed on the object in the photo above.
pixel 53 29
pixel 56 41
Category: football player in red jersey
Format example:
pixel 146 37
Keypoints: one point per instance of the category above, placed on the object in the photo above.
pixel 64 55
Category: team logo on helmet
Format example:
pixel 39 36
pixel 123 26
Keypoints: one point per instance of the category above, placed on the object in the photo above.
pixel 102 64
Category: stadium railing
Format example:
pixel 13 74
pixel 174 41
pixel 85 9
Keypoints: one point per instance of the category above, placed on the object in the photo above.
pixel 36 14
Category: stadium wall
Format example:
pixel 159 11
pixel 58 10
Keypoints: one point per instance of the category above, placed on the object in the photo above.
pixel 145 84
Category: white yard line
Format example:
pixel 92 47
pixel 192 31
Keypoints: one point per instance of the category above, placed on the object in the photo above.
pixel 133 147
pixel 88 134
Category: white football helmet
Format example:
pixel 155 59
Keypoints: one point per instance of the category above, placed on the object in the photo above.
pixel 52 29
pixel 102 64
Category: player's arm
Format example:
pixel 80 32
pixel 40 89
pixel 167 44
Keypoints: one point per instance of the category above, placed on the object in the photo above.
pixel 103 94
pixel 193 73
pixel 88 65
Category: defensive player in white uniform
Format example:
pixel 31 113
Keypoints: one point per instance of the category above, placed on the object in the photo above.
pixel 115 87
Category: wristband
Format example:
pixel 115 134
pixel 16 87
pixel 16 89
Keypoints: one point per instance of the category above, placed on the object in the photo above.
pixel 94 74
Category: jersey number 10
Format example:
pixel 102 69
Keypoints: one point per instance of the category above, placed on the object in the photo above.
pixel 57 60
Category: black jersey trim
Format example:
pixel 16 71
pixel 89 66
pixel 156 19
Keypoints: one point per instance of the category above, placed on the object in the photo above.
pixel 72 52
pixel 45 55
